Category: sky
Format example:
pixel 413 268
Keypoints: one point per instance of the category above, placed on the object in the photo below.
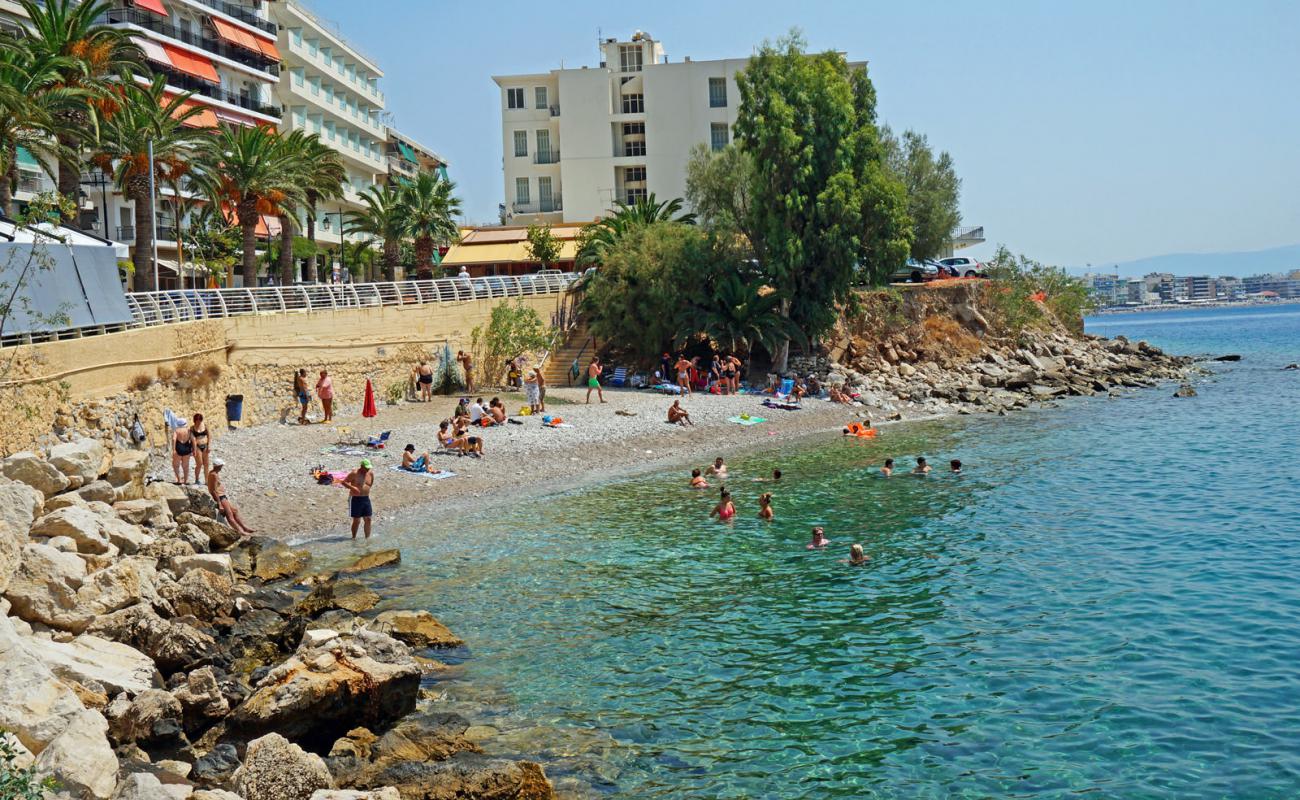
pixel 1085 133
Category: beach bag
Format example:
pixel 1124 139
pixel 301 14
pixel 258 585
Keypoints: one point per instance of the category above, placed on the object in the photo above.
pixel 137 432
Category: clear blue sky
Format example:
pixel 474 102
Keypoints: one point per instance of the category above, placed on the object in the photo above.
pixel 1084 132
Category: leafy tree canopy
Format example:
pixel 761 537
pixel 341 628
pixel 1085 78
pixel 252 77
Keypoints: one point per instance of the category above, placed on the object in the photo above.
pixel 933 190
pixel 542 246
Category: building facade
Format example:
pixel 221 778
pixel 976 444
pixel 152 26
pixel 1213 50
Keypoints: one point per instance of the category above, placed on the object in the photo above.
pixel 407 158
pixel 578 141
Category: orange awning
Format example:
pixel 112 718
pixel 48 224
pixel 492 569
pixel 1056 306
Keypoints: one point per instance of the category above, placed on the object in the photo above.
pixel 235 35
pixel 264 223
pixel 268 48
pixel 191 63
pixel 155 6
pixel 206 118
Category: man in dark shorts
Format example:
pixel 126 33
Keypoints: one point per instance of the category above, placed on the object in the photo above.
pixel 358 483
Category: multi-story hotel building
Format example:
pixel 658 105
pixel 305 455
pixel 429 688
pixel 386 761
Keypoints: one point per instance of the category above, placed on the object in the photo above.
pixel 576 141
pixel 408 158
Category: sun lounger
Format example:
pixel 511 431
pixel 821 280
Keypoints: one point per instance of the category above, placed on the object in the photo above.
pixel 620 377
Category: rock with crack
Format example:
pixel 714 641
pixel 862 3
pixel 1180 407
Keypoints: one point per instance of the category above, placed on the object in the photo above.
pixel 20 505
pixel 12 542
pixel 276 561
pixel 101 491
pixel 126 473
pixel 375 560
pixel 417 628
pixel 81 759
pixel 201 699
pixel 217 767
pixel 276 769
pixel 30 469
pixel 91 660
pixel 34 704
pixel 78 523
pixel 202 594
pixel 82 460
pixel 153 513
pixel 176 498
pixel 346 594
pixel 173 645
pixel 216 563
pixel 154 717
pixel 220 535
pixel 44 588
pixel 363 678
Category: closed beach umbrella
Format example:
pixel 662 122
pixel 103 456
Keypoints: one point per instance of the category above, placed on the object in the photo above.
pixel 368 407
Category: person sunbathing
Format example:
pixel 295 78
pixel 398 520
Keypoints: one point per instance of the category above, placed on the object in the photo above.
pixel 497 410
pixel 678 415
pixel 412 463
pixel 455 439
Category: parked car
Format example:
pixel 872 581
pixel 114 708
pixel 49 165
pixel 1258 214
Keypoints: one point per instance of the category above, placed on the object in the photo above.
pixel 964 267
pixel 915 272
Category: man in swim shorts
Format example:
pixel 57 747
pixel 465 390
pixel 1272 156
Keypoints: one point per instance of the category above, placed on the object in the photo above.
pixel 358 483
pixel 593 379
pixel 466 363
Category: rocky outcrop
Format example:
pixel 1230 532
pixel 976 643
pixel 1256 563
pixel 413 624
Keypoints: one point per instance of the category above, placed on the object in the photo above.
pixel 276 769
pixel 44 588
pixel 172 644
pixel 276 561
pixel 34 704
pixel 375 560
pixel 347 595
pixel 80 758
pixel 82 460
pixel 153 717
pixel 30 469
pixel 201 593
pixel 92 661
pixel 417 629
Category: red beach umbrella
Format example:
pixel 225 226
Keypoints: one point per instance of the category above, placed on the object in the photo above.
pixel 368 407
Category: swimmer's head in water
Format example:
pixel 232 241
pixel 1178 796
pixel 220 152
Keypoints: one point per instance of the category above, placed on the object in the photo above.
pixel 920 461
pixel 889 462
pixel 765 498
pixel 955 464
pixel 718 461
pixel 776 474
pixel 818 532
pixel 856 554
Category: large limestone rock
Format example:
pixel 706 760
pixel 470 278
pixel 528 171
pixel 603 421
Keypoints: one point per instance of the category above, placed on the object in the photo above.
pixel 172 645
pixel 417 628
pixel 220 535
pixel 216 563
pixel 44 588
pixel 36 472
pixel 111 589
pixel 20 505
pixel 153 513
pixel 143 786
pixel 127 472
pixel 90 659
pixel 375 560
pixel 81 759
pixel 364 678
pixel 176 498
pixel 152 717
pixel 348 595
pixel 97 491
pixel 82 460
pixel 11 548
pixel 276 561
pixel 77 523
pixel 34 705
pixel 202 594
pixel 201 698
pixel 276 769
pixel 465 775
pixel 386 793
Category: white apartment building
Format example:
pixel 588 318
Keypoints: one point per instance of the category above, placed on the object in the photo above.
pixel 407 158
pixel 576 141
pixel 329 87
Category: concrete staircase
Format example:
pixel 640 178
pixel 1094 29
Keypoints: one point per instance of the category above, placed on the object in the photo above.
pixel 577 343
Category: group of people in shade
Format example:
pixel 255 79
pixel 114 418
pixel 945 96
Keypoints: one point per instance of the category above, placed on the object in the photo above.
pixel 725 510
pixel 720 376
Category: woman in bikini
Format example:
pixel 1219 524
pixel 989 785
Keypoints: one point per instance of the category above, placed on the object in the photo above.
pixel 697 480
pixel 724 510
pixel 182 450
pixel 199 433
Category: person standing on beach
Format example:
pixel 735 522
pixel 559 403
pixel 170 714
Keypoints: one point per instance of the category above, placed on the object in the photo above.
pixel 325 390
pixel 424 376
pixel 683 369
pixel 467 364
pixel 358 483
pixel 199 433
pixel 182 449
pixel 300 393
pixel 593 379
pixel 541 389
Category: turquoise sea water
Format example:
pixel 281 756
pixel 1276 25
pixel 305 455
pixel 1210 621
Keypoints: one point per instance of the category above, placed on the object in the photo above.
pixel 1107 602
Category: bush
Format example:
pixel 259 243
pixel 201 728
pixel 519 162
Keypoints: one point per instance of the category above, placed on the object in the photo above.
pixel 140 382
pixel 1023 290
pixel 512 330
pixel 19 783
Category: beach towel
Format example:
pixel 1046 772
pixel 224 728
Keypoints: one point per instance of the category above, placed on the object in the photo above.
pixel 557 425
pixel 783 405
pixel 433 476
pixel 746 421
pixel 336 476
pixel 349 450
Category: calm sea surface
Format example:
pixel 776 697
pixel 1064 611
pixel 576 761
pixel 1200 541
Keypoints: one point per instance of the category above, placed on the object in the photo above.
pixel 1106 602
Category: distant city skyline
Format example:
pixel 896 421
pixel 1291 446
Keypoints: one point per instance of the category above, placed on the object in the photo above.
pixel 1098 133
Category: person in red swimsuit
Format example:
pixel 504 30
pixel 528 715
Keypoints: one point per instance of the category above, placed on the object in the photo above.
pixel 724 510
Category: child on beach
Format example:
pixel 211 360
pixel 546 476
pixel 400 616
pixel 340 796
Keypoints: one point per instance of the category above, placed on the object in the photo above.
pixel 888 468
pixel 718 468
pixel 724 510
pixel 819 539
pixel 922 468
pixel 857 558
pixel 697 480
pixel 765 506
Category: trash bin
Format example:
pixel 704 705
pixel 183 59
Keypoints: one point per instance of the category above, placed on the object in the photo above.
pixel 234 408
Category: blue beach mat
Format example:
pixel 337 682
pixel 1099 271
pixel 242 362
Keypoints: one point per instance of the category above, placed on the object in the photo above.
pixel 433 476
pixel 744 421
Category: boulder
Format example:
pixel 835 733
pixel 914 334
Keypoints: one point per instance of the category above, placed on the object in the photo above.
pixel 220 535
pixel 423 737
pixel 375 560
pixel 82 460
pixel 217 767
pixel 200 593
pixel 201 502
pixel 386 793
pixel 127 538
pixel 262 634
pixel 348 595
pixel 20 505
pixel 201 698
pixel 101 491
pixel 176 498
pixel 171 644
pixel 417 628
pixel 191 535
pixel 12 542
pixel 164 549
pixel 34 705
pixel 465 775
pixel 364 678
pixel 44 588
pixel 143 512
pixel 142 786
pixel 34 471
pixel 216 563
pixel 214 794
pixel 91 660
pixel 337 621
pixel 64 500
pixel 276 561
pixel 153 717
pixel 1185 390
pixel 81 759
pixel 276 769
pixel 77 523
pixel 128 468
pixel 111 589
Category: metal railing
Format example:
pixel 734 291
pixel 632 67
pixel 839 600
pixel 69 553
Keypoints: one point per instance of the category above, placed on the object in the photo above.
pixel 211 44
pixel 182 81
pixel 555 110
pixel 537 208
pixel 546 157
pixel 241 13
pixel 187 305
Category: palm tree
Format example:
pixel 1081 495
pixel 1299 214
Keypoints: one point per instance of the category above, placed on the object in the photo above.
pixel 323 181
pixel 430 210
pixel 93 57
pixel 142 115
pixel 253 171
pixel 29 93
pixel 736 314
pixel 645 211
pixel 384 219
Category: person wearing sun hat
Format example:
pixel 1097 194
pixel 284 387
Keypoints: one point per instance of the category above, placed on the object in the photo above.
pixel 358 483
pixel 218 491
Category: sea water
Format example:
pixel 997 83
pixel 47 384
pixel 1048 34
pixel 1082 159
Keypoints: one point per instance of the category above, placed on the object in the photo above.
pixel 1105 601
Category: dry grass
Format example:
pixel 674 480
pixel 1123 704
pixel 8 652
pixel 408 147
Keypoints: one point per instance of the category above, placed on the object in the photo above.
pixel 946 340
pixel 140 382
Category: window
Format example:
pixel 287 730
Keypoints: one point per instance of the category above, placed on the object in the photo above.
pixel 539 94
pixel 634 175
pixel 633 128
pixel 521 191
pixel 634 148
pixel 719 136
pixel 633 104
pixel 514 98
pixel 295 36
pixel 634 195
pixel 521 143
pixel 311 46
pixel 544 147
pixel 314 83
pixel 545 195
pixel 298 76
pixel 629 57
pixel 717 92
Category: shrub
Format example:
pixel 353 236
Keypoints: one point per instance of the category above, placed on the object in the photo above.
pixel 395 392
pixel 19 783
pixel 140 382
pixel 212 372
pixel 165 374
pixel 512 330
pixel 1019 279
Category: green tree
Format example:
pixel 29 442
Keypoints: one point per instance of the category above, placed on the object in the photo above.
pixel 718 188
pixel 93 58
pixel 933 190
pixel 430 209
pixel 318 171
pixel 512 330
pixel 384 219
pixel 212 242
pixel 542 245
pixel 646 211
pixel 323 179
pixel 144 115
pixel 30 94
pixel 735 313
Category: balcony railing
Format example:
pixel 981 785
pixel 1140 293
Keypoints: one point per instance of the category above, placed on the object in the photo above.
pixel 555 111
pixel 126 233
pixel 241 13
pixel 160 308
pixel 554 205
pixel 182 81
pixel 973 234
pixel 546 157
pixel 152 22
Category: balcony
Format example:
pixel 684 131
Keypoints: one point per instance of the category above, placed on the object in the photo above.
pixel 126 233
pixel 556 204
pixel 241 13
pixel 555 111
pixel 182 81
pixel 546 157
pixel 151 22
pixel 630 150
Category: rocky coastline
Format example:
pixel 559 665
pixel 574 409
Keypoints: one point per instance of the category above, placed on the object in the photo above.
pixel 148 652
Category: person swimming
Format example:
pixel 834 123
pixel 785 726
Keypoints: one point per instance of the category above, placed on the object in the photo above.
pixel 765 506
pixel 922 468
pixel 776 477
pixel 857 558
pixel 888 468
pixel 954 466
pixel 697 480
pixel 724 510
pixel 718 468
pixel 819 539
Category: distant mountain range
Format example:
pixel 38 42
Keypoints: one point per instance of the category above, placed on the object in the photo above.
pixel 1250 262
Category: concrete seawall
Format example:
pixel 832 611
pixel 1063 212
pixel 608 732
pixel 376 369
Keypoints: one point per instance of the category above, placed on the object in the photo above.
pixel 95 386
